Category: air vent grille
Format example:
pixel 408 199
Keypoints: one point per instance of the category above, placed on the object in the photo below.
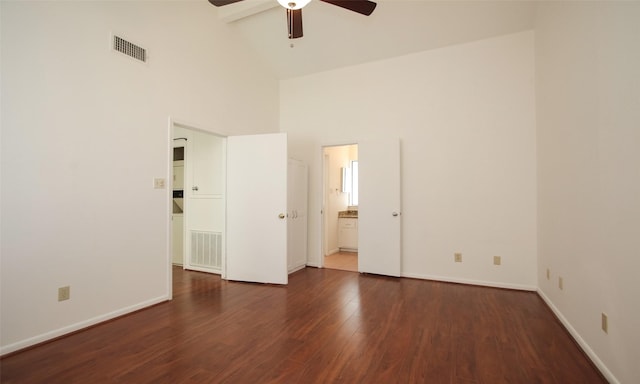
pixel 129 49
pixel 206 249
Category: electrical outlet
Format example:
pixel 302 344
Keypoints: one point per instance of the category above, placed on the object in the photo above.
pixel 64 293
pixel 605 323
pixel 560 283
pixel 497 260
pixel 457 257
pixel 548 274
pixel 159 183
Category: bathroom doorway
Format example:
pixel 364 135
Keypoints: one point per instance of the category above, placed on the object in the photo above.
pixel 340 212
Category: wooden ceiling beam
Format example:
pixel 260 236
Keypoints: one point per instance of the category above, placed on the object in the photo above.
pixel 240 10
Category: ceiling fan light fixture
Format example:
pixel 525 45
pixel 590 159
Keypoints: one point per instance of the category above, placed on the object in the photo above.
pixel 294 4
pixel 294 10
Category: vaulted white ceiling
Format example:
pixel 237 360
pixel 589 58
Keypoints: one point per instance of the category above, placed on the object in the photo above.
pixel 335 37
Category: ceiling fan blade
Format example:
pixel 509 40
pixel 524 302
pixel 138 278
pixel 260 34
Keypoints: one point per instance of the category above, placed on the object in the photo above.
pixel 294 22
pixel 363 7
pixel 220 3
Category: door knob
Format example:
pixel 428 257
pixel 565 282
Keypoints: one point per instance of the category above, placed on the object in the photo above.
pixel 194 188
pixel 394 214
pixel 281 216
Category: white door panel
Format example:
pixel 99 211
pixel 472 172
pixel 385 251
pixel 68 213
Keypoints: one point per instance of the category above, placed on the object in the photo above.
pixel 208 214
pixel 208 163
pixel 204 202
pixel 379 210
pixel 256 197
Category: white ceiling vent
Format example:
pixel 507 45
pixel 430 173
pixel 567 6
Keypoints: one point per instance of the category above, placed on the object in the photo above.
pixel 129 48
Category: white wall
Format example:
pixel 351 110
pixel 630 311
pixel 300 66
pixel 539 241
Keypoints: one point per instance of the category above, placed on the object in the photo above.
pixel 465 117
pixel 588 114
pixel 84 133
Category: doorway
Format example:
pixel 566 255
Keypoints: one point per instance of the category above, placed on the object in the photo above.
pixel 198 183
pixel 340 213
pixel 234 203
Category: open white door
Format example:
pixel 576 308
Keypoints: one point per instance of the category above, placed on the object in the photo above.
pixel 204 201
pixel 256 208
pixel 379 224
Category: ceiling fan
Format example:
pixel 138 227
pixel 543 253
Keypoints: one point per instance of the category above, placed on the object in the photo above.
pixel 294 10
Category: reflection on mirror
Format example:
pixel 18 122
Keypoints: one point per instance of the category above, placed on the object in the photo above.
pixel 353 181
pixel 346 180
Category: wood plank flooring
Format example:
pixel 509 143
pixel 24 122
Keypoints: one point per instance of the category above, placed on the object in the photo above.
pixel 326 326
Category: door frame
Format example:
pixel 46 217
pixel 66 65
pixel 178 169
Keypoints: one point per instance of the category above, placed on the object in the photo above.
pixel 174 122
pixel 323 196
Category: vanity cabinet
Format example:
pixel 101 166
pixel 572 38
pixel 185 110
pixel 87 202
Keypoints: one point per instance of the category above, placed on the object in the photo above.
pixel 348 234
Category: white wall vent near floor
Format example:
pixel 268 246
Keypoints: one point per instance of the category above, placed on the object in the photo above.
pixel 130 49
pixel 206 249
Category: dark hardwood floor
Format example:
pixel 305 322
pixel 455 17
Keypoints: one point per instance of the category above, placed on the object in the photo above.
pixel 326 326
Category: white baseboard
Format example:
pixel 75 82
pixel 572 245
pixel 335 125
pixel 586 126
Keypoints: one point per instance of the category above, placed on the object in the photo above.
pixel 296 268
pixel 483 283
pixel 320 263
pixel 78 326
pixel 583 344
